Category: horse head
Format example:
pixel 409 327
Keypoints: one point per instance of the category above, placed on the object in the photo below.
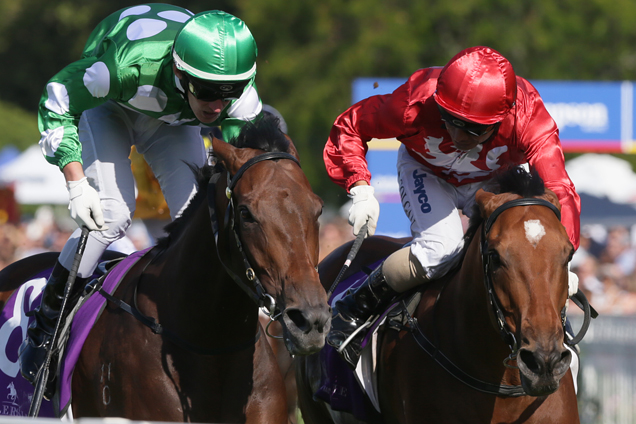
pixel 274 213
pixel 526 251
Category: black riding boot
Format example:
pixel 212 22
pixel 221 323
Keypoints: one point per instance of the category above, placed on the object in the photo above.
pixel 40 332
pixel 353 310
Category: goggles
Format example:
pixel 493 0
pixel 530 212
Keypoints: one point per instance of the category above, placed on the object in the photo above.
pixel 210 91
pixel 476 130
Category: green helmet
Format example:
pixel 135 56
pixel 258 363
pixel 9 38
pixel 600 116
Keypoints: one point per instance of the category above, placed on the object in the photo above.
pixel 216 46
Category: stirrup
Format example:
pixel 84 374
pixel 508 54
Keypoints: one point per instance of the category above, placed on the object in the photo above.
pixel 357 331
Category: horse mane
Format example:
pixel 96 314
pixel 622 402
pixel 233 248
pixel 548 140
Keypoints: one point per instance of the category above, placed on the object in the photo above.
pixel 262 134
pixel 512 180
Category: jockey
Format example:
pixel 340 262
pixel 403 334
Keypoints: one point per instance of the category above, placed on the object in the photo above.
pixel 458 125
pixel 150 76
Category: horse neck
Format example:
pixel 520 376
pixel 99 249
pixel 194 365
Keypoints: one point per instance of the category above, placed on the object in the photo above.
pixel 465 311
pixel 207 293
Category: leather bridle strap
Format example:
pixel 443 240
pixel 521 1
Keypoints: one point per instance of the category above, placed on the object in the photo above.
pixel 504 330
pixel 256 159
pixel 246 278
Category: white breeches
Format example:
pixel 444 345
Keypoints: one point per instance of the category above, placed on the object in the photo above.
pixel 107 134
pixel 432 205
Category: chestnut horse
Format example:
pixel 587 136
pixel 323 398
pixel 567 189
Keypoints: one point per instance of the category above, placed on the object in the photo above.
pixel 486 342
pixel 248 239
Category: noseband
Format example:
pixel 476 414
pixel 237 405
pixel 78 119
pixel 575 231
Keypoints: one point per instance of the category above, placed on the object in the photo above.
pixel 504 329
pixel 245 278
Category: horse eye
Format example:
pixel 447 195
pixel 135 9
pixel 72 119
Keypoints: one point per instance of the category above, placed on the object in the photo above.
pixel 246 215
pixel 495 259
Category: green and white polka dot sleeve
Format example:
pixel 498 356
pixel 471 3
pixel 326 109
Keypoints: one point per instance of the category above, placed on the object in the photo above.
pixel 126 59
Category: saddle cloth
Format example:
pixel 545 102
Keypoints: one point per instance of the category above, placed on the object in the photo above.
pixel 340 387
pixel 13 326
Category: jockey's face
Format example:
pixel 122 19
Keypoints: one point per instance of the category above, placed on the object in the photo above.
pixel 206 111
pixel 465 141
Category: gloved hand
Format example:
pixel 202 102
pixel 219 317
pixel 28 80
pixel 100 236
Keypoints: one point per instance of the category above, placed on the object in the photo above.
pixel 365 208
pixel 84 205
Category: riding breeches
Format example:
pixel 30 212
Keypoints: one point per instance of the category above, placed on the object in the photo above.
pixel 432 205
pixel 107 134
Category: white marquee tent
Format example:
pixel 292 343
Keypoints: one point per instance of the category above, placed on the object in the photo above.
pixel 35 180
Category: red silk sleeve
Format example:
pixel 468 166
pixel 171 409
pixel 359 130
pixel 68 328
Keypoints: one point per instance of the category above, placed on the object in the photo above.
pixel 544 153
pixel 379 117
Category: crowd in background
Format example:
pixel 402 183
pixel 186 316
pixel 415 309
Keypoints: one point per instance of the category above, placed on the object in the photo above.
pixel 605 262
pixel 606 265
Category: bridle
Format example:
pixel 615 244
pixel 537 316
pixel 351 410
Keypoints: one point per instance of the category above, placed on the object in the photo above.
pixel 245 278
pixel 578 298
pixel 486 259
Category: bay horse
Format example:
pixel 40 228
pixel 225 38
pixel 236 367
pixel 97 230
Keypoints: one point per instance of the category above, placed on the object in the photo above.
pixel 485 344
pixel 248 239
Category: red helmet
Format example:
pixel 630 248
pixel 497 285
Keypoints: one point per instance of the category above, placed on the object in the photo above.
pixel 477 85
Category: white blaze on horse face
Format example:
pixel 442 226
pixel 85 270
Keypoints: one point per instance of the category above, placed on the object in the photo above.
pixel 534 231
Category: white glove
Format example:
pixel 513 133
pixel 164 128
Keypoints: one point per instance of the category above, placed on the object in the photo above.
pixel 365 209
pixel 573 282
pixel 84 205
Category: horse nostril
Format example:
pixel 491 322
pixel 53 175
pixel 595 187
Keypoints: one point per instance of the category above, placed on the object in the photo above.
pixel 529 359
pixel 542 362
pixel 299 320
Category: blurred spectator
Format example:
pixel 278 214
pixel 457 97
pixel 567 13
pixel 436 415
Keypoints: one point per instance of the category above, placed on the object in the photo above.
pixel 45 233
pixel 606 270
pixel 334 231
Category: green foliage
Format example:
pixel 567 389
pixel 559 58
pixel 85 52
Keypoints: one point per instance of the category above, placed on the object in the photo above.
pixel 310 51
pixel 19 127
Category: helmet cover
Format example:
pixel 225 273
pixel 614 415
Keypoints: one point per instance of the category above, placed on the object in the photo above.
pixel 216 46
pixel 477 85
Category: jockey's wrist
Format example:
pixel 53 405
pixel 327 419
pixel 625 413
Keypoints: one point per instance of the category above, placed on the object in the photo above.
pixel 73 171
pixel 358 183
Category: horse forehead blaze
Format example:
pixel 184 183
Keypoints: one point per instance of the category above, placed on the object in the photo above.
pixel 534 231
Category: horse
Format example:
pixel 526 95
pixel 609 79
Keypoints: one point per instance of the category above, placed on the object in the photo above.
pixel 189 346
pixel 486 342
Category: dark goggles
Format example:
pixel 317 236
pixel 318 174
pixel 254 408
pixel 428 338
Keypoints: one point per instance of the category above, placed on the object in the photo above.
pixel 476 130
pixel 210 91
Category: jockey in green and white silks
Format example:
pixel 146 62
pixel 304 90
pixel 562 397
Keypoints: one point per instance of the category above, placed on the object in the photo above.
pixel 124 92
pixel 150 76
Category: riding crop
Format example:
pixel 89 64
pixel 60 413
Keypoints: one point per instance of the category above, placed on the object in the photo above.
pixel 43 376
pixel 350 257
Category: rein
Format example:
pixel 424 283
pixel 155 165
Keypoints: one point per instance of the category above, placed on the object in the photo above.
pixel 246 277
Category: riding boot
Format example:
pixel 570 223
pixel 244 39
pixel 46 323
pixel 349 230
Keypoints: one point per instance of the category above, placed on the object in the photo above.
pixel 39 334
pixel 353 310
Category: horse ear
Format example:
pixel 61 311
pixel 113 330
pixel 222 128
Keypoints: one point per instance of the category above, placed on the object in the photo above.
pixel 551 197
pixel 292 148
pixel 231 157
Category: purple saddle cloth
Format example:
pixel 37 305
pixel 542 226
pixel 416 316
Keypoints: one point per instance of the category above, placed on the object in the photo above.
pixel 13 326
pixel 338 384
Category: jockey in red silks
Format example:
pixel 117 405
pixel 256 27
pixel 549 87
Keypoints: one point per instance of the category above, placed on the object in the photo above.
pixel 458 125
